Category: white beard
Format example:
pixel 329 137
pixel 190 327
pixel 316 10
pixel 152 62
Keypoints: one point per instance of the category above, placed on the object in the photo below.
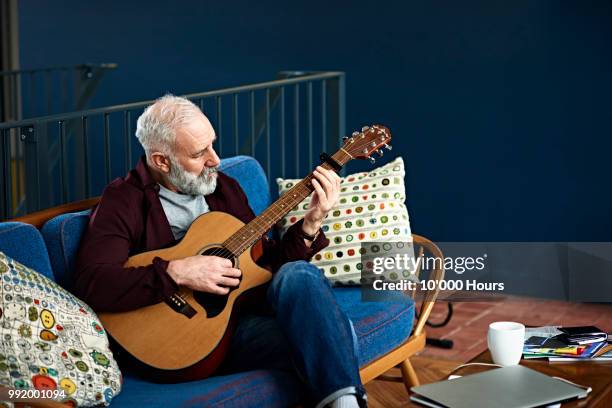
pixel 188 183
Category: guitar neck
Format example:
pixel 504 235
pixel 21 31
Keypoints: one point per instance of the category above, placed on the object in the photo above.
pixel 246 236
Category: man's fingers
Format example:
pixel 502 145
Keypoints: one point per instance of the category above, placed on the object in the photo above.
pixel 334 178
pixel 218 290
pixel 334 182
pixel 320 193
pixel 232 273
pixel 228 281
pixel 226 262
pixel 337 178
pixel 329 175
pixel 324 181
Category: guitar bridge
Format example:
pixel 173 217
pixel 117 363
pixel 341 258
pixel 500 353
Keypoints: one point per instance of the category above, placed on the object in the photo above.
pixel 180 305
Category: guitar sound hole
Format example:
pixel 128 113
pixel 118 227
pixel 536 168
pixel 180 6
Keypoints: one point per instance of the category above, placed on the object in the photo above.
pixel 214 304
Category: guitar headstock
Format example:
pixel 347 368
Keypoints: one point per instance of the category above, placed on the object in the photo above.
pixel 371 139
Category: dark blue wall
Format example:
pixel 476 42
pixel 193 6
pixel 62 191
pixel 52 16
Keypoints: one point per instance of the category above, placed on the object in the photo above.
pixel 502 110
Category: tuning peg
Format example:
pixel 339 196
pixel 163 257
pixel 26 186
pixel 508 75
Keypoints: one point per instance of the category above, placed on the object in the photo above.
pixel 355 134
pixel 388 147
pixel 344 138
pixel 372 160
pixel 365 128
pixel 380 152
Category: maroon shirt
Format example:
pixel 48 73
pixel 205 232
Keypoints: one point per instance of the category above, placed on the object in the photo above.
pixel 130 219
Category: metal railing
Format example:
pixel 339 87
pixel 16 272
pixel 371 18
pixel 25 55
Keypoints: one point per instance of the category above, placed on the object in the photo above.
pixel 27 93
pixel 284 123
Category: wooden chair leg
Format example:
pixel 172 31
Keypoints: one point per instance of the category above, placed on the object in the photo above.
pixel 409 375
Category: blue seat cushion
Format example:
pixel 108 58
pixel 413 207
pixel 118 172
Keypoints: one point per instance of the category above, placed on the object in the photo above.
pixel 380 326
pixel 259 388
pixel 23 243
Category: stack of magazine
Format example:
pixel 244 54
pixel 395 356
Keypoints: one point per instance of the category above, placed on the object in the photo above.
pixel 584 343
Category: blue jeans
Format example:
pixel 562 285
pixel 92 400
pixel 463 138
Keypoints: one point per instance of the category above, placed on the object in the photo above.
pixel 302 329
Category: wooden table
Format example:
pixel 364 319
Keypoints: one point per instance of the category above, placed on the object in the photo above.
pixel 597 375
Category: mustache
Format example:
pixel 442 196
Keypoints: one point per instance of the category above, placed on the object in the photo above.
pixel 208 171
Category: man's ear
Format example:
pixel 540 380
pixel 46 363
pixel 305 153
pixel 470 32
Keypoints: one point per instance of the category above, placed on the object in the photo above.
pixel 160 162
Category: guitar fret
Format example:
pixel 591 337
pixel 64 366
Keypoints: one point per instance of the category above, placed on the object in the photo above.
pixel 250 233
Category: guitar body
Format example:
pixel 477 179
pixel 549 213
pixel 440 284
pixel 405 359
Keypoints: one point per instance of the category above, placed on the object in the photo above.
pixel 165 339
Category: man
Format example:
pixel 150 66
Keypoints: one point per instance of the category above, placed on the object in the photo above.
pixel 154 205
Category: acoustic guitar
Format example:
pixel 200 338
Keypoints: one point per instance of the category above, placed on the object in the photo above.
pixel 187 336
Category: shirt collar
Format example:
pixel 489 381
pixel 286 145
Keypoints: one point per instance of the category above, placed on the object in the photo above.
pixel 143 173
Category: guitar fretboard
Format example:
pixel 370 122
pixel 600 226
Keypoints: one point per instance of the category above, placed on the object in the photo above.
pixel 253 231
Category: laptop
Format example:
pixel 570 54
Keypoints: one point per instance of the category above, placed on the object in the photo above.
pixel 507 387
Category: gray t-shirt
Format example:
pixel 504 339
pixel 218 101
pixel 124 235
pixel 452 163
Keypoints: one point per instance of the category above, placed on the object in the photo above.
pixel 181 209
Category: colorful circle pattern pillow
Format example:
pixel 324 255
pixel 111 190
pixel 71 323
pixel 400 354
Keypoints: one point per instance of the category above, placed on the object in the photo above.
pixel 370 209
pixel 51 340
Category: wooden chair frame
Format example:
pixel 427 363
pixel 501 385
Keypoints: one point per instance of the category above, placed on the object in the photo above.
pixel 399 357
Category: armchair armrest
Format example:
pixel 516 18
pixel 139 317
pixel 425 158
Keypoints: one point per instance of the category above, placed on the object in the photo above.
pixel 39 218
pixel 436 274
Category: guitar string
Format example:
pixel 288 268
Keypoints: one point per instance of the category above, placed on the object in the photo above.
pixel 258 229
pixel 270 213
pixel 277 210
pixel 302 189
pixel 265 221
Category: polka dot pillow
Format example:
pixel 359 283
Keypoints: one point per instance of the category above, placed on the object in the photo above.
pixel 371 209
pixel 50 340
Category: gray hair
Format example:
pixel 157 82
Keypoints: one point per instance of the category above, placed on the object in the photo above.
pixel 156 127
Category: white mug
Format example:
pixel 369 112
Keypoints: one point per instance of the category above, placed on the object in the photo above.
pixel 505 341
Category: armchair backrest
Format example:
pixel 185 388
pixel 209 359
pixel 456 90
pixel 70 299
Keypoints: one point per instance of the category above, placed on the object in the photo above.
pixel 23 243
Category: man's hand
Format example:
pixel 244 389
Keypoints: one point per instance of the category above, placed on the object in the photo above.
pixel 327 191
pixel 205 274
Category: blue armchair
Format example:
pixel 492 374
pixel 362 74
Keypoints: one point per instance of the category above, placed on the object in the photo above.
pixel 384 330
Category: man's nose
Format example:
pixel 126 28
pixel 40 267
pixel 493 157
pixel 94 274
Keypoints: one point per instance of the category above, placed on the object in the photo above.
pixel 213 160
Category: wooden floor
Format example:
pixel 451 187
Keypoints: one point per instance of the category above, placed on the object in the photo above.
pixel 470 322
pixel 468 330
pixel 384 394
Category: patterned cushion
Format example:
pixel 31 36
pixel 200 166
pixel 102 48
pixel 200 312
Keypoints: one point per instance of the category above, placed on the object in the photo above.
pixel 371 209
pixel 51 340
